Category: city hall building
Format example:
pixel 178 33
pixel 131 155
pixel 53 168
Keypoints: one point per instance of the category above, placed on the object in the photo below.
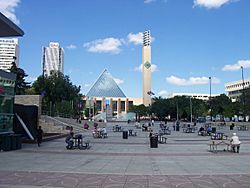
pixel 235 88
pixel 106 95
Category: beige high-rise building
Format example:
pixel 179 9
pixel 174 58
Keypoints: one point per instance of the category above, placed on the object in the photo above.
pixel 52 59
pixel 146 68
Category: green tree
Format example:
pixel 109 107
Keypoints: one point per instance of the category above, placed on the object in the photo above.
pixel 184 115
pixel 199 108
pixel 139 110
pixel 160 107
pixel 247 101
pixel 21 85
pixel 244 102
pixel 56 89
pixel 221 105
pixel 168 107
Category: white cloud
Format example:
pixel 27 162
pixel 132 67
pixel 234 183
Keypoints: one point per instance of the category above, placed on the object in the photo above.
pixel 148 1
pixel 86 85
pixel 211 3
pixel 7 7
pixel 71 47
pixel 191 81
pixel 139 68
pixel 118 81
pixel 237 66
pixel 136 39
pixel 111 44
pixel 107 45
pixel 153 68
pixel 163 93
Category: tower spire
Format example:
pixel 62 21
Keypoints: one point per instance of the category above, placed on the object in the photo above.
pixel 146 68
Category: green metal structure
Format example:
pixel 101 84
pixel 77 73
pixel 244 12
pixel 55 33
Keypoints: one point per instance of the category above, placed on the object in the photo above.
pixel 7 94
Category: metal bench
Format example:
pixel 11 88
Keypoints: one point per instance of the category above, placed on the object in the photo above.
pixel 85 144
pixel 164 139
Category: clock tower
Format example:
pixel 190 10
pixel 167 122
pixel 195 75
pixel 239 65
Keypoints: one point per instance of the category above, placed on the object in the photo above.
pixel 146 69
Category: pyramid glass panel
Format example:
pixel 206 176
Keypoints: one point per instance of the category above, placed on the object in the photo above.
pixel 105 86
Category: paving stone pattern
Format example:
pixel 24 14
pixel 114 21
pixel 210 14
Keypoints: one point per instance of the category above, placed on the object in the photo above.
pixel 185 161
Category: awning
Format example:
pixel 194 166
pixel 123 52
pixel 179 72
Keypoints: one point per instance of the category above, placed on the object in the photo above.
pixel 8 28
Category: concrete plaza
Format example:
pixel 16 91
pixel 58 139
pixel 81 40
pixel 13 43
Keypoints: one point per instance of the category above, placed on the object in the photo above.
pixel 184 161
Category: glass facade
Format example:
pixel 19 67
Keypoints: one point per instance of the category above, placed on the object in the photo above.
pixel 105 86
pixel 7 93
pixel 98 105
pixel 114 105
pixel 123 106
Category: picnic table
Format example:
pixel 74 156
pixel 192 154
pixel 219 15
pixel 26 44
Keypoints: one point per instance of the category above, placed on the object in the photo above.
pixel 213 144
pixel 242 128
pixel 218 136
pixel 117 128
pixel 189 130
pixel 162 138
pixel 79 142
pixel 165 131
pixel 131 132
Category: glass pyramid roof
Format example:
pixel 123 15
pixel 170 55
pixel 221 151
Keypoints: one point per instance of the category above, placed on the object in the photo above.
pixel 105 86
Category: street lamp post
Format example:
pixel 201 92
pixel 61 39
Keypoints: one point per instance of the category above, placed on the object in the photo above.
pixel 210 89
pixel 177 110
pixel 150 93
pixel 191 115
pixel 243 92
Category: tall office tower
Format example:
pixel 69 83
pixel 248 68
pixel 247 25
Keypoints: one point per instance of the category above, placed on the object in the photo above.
pixel 53 58
pixel 146 68
pixel 9 53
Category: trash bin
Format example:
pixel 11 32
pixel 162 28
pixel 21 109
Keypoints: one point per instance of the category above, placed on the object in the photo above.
pixel 6 143
pixel 18 141
pixel 13 142
pixel 154 141
pixel 1 141
pixel 232 127
pixel 125 134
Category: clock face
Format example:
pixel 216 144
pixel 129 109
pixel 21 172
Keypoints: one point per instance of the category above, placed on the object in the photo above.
pixel 147 65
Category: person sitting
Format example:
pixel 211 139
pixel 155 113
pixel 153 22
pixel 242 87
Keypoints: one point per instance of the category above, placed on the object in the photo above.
pixel 144 127
pixel 86 126
pixel 201 131
pixel 69 140
pixel 95 133
pixel 104 133
pixel 209 130
pixel 235 143
pixel 136 125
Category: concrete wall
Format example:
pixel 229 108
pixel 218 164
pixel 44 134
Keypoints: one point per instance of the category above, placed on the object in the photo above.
pixel 30 100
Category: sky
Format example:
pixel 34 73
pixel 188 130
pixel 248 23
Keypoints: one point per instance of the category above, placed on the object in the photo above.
pixel 192 40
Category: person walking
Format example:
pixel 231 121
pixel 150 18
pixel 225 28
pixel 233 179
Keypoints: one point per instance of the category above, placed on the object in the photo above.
pixel 39 136
pixel 174 126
